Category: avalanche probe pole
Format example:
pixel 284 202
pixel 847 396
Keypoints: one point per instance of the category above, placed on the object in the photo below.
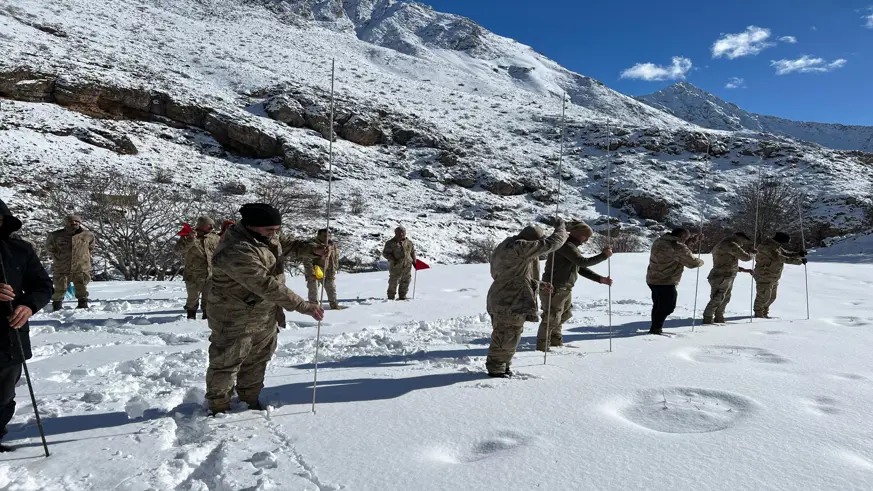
pixel 700 239
pixel 24 364
pixel 329 195
pixel 557 209
pixel 755 243
pixel 609 225
pixel 803 244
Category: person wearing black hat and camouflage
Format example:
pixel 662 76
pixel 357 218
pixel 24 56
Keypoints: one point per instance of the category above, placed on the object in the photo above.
pixel 512 298
pixel 197 250
pixel 248 284
pixel 771 261
pixel 25 288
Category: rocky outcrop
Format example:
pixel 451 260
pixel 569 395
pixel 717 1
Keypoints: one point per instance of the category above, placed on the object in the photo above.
pixel 363 131
pixel 286 109
pixel 646 207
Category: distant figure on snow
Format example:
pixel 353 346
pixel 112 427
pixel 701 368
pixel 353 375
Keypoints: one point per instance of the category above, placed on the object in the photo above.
pixel 726 256
pixel 197 250
pixel 328 264
pixel 768 270
pixel 400 253
pixel 568 264
pixel 512 298
pixel 667 261
pixel 70 249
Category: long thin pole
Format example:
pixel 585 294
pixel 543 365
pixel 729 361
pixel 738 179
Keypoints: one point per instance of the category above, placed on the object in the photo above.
pixel 755 242
pixel 557 209
pixel 24 365
pixel 414 284
pixel 803 245
pixel 609 225
pixel 700 231
pixel 329 196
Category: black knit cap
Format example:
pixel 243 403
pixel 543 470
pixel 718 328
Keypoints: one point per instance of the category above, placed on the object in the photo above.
pixel 782 238
pixel 260 215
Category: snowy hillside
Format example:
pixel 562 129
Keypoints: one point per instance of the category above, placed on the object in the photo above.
pixel 442 126
pixel 404 403
pixel 699 107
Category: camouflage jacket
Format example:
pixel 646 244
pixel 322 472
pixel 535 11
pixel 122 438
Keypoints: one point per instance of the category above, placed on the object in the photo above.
pixel 248 280
pixel 70 251
pixel 771 261
pixel 400 255
pixel 515 268
pixel 668 260
pixel 329 269
pixel 726 256
pixel 197 252
pixel 569 264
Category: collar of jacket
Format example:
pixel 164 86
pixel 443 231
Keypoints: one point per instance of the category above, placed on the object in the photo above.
pixel 671 238
pixel 242 233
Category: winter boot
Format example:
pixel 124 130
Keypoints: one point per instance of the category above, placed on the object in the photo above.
pixel 557 342
pixel 255 406
pixel 403 298
pixel 56 306
pixel 759 314
pixel 656 330
pixel 719 319
pixel 335 306
pixel 192 315
pixel 541 345
pixel 83 303
pixel 4 448
pixel 204 317
pixel 506 374
pixel 707 321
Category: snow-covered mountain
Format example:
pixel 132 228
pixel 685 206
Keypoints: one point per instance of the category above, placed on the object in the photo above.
pixel 699 107
pixel 442 126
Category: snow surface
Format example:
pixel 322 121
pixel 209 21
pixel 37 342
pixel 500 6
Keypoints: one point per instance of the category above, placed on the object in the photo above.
pixel 697 106
pixel 403 401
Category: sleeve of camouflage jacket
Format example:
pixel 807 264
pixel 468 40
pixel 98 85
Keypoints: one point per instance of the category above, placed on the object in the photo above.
pixel 38 287
pixel 686 258
pixel 183 244
pixel 252 274
pixel 297 249
pixel 739 253
pixel 412 251
pixel 581 262
pixel 91 242
pixel 531 249
pixel 50 245
pixel 386 252
pixel 789 257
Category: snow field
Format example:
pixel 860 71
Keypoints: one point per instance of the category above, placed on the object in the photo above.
pixel 403 402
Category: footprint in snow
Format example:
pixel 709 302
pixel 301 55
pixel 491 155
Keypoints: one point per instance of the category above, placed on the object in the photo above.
pixel 732 354
pixel 494 445
pixel 683 410
pixel 849 376
pixel 848 321
pixel 823 405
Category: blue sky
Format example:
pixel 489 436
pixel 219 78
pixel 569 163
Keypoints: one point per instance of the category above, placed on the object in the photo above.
pixel 833 83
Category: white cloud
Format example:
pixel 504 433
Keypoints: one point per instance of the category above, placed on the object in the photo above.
pixel 651 72
pixel 749 42
pixel 869 19
pixel 814 28
pixel 788 39
pixel 736 83
pixel 805 64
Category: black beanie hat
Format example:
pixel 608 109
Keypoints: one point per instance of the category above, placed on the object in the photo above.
pixel 782 238
pixel 260 215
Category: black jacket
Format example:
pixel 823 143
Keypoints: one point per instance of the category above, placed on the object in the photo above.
pixel 22 270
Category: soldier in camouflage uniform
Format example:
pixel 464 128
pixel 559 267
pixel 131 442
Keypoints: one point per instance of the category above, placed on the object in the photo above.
pixel 400 253
pixel 771 261
pixel 725 265
pixel 567 264
pixel 512 298
pixel 668 260
pixel 197 250
pixel 70 249
pixel 248 283
pixel 329 266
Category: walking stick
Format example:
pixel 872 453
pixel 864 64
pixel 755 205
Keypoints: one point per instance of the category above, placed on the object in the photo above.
pixel 700 240
pixel 803 244
pixel 414 283
pixel 329 196
pixel 24 365
pixel 609 225
pixel 557 208
pixel 755 243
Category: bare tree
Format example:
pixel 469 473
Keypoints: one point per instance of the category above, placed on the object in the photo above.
pixel 621 241
pixel 357 203
pixel 290 197
pixel 479 250
pixel 134 222
pixel 771 204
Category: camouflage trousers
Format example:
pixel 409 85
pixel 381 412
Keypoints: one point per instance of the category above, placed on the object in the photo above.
pixel 238 361
pixel 505 335
pixel 401 277
pixel 719 296
pixel 329 284
pixel 765 296
pixel 195 289
pixel 555 315
pixel 62 280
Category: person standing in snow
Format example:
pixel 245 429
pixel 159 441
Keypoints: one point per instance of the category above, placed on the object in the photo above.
pixel 70 249
pixel 328 264
pixel 768 270
pixel 197 250
pixel 726 256
pixel 248 283
pixel 512 298
pixel 400 253
pixel 567 264
pixel 25 288
pixel 667 261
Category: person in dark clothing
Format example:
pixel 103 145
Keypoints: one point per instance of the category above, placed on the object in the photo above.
pixel 669 258
pixel 25 288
